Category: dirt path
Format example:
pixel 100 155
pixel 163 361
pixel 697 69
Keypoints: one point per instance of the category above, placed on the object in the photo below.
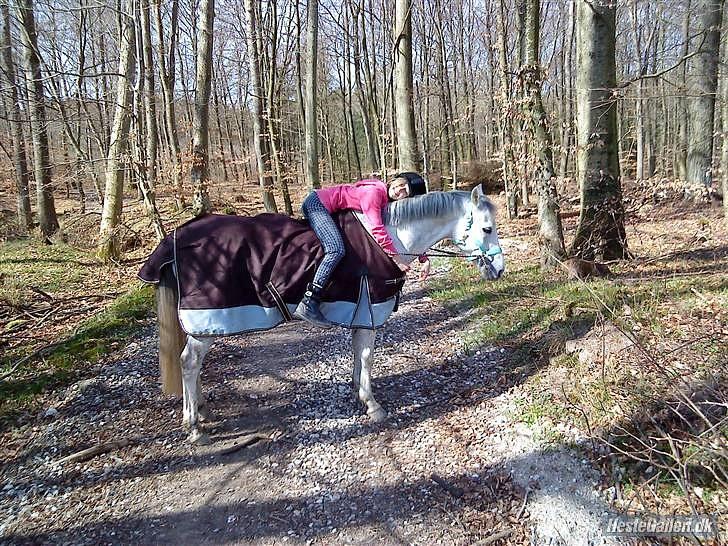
pixel 450 466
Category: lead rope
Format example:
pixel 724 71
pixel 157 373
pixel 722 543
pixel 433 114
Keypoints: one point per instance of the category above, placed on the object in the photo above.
pixel 442 253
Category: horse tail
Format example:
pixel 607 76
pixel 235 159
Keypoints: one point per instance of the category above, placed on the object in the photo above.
pixel 171 337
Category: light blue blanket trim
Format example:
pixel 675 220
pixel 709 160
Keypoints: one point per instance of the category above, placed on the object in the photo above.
pixel 252 318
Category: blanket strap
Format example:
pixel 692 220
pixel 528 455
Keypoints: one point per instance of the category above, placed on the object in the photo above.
pixel 279 301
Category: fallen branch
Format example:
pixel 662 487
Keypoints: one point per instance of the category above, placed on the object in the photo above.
pixel 493 538
pixel 92 452
pixel 245 441
pixel 28 357
pixel 523 506
pixel 453 490
pixel 45 295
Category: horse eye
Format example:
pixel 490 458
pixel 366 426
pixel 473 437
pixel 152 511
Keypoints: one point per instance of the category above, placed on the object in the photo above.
pixel 488 230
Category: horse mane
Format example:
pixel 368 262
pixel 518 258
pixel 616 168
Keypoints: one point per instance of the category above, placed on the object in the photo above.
pixel 436 203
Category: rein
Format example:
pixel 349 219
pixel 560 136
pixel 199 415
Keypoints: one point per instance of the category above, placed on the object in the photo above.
pixel 442 253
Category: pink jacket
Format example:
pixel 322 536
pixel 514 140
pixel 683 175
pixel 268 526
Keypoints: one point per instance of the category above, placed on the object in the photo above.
pixel 368 196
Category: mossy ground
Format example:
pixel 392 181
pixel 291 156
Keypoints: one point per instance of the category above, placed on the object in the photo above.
pixel 42 287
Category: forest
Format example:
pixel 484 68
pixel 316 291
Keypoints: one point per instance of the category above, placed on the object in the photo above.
pixel 599 128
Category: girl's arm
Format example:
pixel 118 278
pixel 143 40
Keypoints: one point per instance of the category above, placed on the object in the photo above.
pixel 371 207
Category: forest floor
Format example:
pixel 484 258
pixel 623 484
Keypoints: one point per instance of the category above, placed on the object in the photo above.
pixel 495 393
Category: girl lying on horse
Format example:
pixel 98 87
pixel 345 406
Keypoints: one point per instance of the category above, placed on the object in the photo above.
pixel 368 196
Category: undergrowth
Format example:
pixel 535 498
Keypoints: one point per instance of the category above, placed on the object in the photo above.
pixel 64 360
pixel 660 406
pixel 60 312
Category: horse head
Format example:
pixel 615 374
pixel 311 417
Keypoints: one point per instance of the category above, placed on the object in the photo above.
pixel 477 236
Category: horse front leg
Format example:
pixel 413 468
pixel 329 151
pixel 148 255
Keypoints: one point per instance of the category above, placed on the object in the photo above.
pixel 363 347
pixel 191 360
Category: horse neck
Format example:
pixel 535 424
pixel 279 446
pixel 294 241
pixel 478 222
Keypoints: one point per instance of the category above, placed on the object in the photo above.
pixel 417 236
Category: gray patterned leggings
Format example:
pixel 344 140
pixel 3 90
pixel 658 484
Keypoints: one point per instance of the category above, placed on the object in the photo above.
pixel 328 233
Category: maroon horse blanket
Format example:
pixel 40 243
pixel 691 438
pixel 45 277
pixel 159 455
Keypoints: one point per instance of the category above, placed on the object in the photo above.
pixel 238 274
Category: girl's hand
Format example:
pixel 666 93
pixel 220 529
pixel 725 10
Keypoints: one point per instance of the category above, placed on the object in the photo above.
pixel 403 267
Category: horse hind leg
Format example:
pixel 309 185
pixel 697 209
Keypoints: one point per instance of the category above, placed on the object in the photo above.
pixel 363 346
pixel 203 409
pixel 191 360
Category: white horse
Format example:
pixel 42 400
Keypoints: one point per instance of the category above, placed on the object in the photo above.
pixel 415 224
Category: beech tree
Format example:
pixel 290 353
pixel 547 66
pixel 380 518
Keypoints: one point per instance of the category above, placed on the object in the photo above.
pixel 261 152
pixel 116 163
pixel 702 85
pixel 20 162
pixel 406 136
pixel 201 121
pixel 600 233
pixel 47 219
pixel 551 233
pixel 312 156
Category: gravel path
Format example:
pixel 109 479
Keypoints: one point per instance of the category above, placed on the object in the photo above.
pixel 449 466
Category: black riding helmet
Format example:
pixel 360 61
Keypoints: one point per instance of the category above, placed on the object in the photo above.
pixel 415 183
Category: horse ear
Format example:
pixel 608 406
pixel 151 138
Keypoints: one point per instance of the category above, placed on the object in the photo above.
pixel 476 194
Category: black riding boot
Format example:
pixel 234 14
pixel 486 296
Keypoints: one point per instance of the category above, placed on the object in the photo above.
pixel 309 310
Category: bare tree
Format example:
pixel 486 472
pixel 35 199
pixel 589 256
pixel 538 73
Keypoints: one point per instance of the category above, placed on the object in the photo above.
pixel 406 136
pixel 150 104
pixel 600 232
pixel 312 156
pixel 702 86
pixel 108 247
pixel 167 64
pixel 20 162
pixel 551 233
pixel 681 152
pixel 264 178
pixel 270 108
pixel 200 172
pixel 47 218
pixel 724 154
pixel 505 118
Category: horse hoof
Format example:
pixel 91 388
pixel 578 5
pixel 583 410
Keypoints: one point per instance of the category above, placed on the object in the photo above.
pixel 198 438
pixel 377 415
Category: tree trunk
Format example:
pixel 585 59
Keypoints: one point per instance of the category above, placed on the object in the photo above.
pixel 681 155
pixel 200 172
pixel 20 161
pixel 406 137
pixel 567 134
pixel 108 248
pixel 312 156
pixel 167 77
pixel 264 178
pixel 551 233
pixel 270 114
pixel 148 182
pixel 150 106
pixel 47 218
pixel 600 233
pixel 702 86
pixel 506 125
pixel 520 126
pixel 724 154
pixel 81 104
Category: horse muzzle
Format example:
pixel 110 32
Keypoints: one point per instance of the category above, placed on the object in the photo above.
pixel 491 264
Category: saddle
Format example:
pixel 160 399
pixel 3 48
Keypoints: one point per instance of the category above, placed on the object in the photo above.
pixel 238 274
